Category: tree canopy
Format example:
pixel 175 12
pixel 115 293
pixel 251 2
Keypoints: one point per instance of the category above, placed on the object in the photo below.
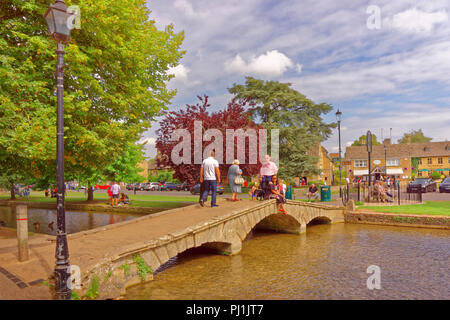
pixel 233 117
pixel 362 141
pixel 115 84
pixel 276 105
pixel 414 136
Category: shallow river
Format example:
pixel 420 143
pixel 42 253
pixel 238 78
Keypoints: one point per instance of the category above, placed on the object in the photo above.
pixel 328 262
pixel 75 221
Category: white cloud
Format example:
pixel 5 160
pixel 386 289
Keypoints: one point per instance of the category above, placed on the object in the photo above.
pixel 299 67
pixel 272 63
pixel 149 146
pixel 394 73
pixel 185 6
pixel 180 72
pixel 414 20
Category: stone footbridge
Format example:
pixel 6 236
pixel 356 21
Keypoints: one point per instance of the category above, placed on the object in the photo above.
pixel 114 257
pixel 223 233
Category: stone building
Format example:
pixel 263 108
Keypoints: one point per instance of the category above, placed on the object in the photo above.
pixel 398 160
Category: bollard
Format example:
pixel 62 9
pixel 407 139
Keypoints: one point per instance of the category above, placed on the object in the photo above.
pixel 22 231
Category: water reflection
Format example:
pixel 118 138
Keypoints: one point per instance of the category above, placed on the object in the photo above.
pixel 328 262
pixel 44 221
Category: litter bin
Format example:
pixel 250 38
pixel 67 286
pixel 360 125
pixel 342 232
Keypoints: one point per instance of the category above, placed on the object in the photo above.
pixel 289 192
pixel 325 193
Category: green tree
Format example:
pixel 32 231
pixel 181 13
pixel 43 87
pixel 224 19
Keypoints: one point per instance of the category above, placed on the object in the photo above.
pixel 414 136
pixel 115 84
pixel 277 106
pixel 126 167
pixel 362 141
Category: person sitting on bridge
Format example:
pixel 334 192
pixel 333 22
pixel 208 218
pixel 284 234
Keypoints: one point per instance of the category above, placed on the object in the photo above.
pixel 277 194
pixel 313 192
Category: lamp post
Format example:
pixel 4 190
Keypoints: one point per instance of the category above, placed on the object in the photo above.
pixel 385 161
pixel 369 150
pixel 57 18
pixel 338 118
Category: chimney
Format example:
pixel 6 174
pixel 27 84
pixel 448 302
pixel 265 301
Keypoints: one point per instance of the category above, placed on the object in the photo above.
pixel 387 141
pixel 409 139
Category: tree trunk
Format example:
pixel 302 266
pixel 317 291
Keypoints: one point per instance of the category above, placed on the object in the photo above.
pixel 90 194
pixel 13 194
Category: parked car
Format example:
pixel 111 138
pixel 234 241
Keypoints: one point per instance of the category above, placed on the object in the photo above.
pixel 151 186
pixel 196 189
pixel 445 185
pixel 130 186
pixel 169 186
pixel 426 184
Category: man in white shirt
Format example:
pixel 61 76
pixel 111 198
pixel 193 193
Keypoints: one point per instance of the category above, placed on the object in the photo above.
pixel 115 190
pixel 210 176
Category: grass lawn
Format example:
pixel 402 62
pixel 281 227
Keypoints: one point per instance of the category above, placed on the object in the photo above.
pixel 440 208
pixel 156 201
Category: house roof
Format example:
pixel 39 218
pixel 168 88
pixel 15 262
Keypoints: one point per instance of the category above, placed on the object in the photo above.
pixel 426 149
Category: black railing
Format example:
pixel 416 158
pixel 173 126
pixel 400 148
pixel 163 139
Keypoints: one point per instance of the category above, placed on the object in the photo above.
pixel 395 193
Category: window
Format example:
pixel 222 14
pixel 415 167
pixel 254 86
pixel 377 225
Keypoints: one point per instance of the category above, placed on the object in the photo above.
pixel 360 163
pixel 419 173
pixel 420 161
pixel 439 160
pixel 448 159
pixel 393 162
pixel 430 160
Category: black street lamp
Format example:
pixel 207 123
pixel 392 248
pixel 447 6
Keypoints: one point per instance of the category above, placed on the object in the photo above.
pixel 57 18
pixel 369 151
pixel 338 118
pixel 385 161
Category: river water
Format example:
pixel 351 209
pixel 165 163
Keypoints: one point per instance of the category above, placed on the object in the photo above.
pixel 75 221
pixel 328 262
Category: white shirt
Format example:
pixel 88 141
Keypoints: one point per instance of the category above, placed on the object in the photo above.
pixel 284 188
pixel 115 189
pixel 209 166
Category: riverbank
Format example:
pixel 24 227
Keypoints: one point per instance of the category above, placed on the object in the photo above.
pixel 102 206
pixel 397 219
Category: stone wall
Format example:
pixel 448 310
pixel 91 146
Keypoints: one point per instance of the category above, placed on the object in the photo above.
pixel 442 222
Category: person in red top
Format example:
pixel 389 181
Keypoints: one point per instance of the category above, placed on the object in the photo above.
pixel 110 196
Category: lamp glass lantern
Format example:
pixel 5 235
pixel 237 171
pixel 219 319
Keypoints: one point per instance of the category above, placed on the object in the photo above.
pixel 338 115
pixel 57 17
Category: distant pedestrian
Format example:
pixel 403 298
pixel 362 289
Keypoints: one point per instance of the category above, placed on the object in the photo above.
pixel 210 175
pixel 115 190
pixel 110 196
pixel 234 175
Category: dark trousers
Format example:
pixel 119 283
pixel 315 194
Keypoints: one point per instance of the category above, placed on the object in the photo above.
pixel 202 189
pixel 210 185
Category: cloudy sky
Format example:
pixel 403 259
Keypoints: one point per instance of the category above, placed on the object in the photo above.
pixel 384 63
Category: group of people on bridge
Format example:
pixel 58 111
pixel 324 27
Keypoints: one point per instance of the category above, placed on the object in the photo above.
pixel 268 187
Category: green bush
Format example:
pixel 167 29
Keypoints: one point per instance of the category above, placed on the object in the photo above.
pixel 435 175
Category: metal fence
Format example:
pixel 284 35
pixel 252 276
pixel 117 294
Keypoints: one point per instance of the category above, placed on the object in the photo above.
pixel 396 194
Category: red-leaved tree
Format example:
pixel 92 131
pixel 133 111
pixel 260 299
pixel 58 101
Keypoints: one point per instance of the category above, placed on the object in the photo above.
pixel 233 117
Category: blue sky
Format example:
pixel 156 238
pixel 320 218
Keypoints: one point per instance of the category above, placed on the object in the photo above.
pixel 384 63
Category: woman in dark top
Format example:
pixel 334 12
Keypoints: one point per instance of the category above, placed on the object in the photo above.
pixel 275 189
